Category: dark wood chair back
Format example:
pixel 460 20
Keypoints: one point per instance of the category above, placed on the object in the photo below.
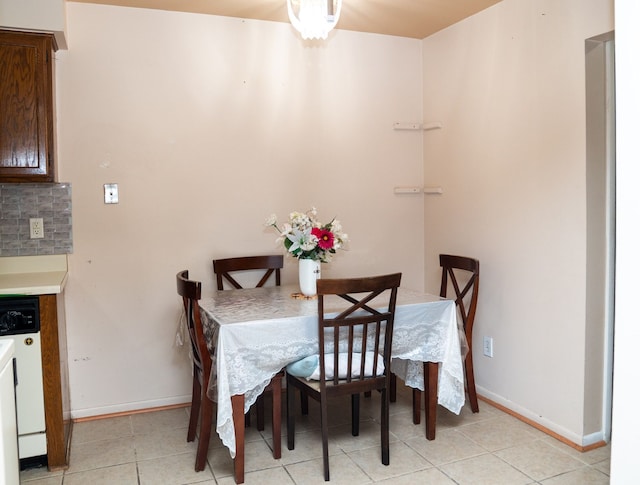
pixel 272 264
pixel 364 326
pixel 201 406
pixel 191 293
pixel 360 328
pixel 463 275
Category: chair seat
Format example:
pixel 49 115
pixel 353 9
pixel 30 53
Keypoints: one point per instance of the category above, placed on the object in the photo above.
pixel 315 384
pixel 309 367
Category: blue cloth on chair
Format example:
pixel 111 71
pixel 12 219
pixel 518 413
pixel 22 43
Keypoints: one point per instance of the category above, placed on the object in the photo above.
pixel 309 367
pixel 304 367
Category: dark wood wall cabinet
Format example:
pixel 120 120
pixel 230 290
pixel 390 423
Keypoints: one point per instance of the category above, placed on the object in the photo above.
pixel 27 107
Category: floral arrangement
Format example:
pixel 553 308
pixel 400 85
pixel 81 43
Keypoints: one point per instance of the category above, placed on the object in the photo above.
pixel 305 237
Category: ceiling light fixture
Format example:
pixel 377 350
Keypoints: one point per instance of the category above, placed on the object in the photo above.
pixel 314 19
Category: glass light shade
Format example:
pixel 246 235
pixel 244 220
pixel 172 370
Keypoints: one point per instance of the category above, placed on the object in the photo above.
pixel 314 19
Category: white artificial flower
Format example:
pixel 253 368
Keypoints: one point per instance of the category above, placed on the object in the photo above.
pixel 301 240
pixel 272 220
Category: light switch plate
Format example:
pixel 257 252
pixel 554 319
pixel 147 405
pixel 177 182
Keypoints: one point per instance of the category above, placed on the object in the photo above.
pixel 110 193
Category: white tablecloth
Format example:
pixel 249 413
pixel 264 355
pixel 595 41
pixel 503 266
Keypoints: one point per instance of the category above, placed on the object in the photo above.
pixel 254 333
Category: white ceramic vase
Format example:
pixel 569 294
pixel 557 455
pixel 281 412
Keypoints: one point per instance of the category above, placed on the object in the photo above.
pixel 308 274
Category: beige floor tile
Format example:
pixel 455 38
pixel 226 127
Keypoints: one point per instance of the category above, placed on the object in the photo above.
pixel 583 476
pixel 589 457
pixel 604 466
pixel 446 419
pixel 39 473
pixel 368 437
pixel 490 447
pixel 121 474
pixel 163 442
pixel 172 470
pixel 342 470
pixel 55 480
pixel 100 454
pixel 484 470
pixel 102 429
pixel 220 462
pixel 308 446
pixel 432 476
pixel 402 460
pixel 500 432
pixel 257 456
pixel 145 423
pixel 449 445
pixel 401 425
pixel 275 476
pixel 539 460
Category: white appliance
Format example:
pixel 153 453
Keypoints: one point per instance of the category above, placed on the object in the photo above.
pixel 20 323
pixel 9 466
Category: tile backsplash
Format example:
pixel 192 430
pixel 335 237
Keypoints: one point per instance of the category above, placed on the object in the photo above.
pixel 21 202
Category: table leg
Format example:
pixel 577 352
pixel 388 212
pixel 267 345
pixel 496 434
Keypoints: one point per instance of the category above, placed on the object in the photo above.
pixel 431 397
pixel 237 404
pixel 276 416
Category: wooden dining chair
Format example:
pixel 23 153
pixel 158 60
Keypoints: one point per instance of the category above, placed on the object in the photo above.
pixel 266 266
pixel 464 275
pixel 201 405
pixel 354 354
pixel 223 268
pixel 462 272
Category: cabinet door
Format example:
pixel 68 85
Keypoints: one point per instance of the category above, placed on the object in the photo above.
pixel 26 107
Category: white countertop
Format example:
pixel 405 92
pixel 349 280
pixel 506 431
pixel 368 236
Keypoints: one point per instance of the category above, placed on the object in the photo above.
pixel 33 275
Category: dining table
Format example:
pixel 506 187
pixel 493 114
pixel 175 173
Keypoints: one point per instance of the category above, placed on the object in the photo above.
pixel 254 333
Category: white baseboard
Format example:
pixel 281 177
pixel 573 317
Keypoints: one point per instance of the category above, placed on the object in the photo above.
pixel 129 407
pixel 579 440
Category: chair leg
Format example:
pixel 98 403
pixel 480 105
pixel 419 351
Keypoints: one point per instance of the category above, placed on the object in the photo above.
pixel 393 388
pixel 206 419
pixel 355 414
pixel 304 402
pixel 195 408
pixel 384 426
pixel 325 436
pixel 430 397
pixel 471 382
pixel 417 398
pixel 291 420
pixel 260 413
pixel 276 415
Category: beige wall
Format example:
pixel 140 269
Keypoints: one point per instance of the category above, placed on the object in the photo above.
pixel 208 125
pixel 508 86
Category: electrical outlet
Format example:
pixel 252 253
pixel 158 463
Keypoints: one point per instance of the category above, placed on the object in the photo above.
pixel 36 228
pixel 487 346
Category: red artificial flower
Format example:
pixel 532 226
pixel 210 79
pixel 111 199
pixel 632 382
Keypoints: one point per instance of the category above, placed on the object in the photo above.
pixel 325 237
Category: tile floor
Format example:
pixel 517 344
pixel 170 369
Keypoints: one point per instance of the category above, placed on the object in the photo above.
pixel 490 447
